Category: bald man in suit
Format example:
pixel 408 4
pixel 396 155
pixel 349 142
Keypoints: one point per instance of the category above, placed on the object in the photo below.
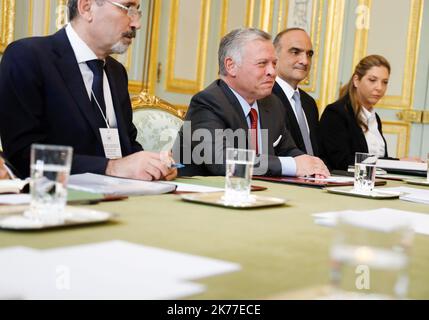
pixel 295 51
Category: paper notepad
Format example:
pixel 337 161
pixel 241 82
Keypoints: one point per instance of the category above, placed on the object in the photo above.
pixel 383 219
pixel 12 185
pixel 401 165
pixel 108 270
pixel 117 186
pixel 412 194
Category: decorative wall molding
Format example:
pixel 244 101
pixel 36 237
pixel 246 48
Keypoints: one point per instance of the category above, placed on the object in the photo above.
pixel 187 86
pixel 406 99
pixel 402 130
pixel 331 58
pixel 266 15
pixel 7 22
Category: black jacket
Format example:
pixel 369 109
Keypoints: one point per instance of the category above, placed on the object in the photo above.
pixel 341 136
pixel 216 108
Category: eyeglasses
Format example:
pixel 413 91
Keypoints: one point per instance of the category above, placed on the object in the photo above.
pixel 132 12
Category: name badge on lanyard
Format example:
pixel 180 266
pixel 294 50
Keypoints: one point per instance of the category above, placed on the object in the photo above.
pixel 111 143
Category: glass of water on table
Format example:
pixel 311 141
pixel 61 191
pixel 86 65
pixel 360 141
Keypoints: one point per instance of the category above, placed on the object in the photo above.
pixel 365 168
pixel 50 169
pixel 238 175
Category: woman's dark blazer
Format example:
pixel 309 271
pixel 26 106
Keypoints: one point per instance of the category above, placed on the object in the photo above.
pixel 341 137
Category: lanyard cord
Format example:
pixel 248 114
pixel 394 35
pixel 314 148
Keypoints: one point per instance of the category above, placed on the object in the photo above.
pixel 101 110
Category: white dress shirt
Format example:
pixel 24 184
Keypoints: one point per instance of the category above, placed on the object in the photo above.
pixel 288 163
pixel 289 91
pixel 83 53
pixel 373 137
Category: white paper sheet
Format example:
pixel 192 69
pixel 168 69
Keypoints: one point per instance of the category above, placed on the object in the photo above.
pixel 117 186
pixel 15 199
pixel 185 187
pixel 334 179
pixel 412 194
pixel 401 165
pixel 110 270
pixel 12 185
pixel 383 219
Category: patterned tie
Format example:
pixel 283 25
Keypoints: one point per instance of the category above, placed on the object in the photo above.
pixel 253 114
pixel 302 124
pixel 96 67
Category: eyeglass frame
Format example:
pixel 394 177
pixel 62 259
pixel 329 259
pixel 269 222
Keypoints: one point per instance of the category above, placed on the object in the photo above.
pixel 132 12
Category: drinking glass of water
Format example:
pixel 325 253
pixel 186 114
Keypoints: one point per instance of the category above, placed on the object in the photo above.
pixel 50 169
pixel 369 262
pixel 365 167
pixel 238 175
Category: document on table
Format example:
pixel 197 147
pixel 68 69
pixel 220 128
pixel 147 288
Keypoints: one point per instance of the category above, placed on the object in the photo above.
pixel 186 187
pixel 401 165
pixel 12 185
pixel 333 179
pixel 383 219
pixel 14 199
pixel 412 194
pixel 109 270
pixel 117 186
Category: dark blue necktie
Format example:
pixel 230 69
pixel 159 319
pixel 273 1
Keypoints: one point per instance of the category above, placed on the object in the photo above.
pixel 96 67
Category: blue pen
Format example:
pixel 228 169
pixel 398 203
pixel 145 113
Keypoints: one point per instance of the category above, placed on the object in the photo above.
pixel 177 165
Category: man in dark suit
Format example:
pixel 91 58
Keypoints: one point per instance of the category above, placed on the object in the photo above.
pixel 65 89
pixel 295 51
pixel 239 111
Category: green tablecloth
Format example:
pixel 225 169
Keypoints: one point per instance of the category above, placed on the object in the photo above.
pixel 279 249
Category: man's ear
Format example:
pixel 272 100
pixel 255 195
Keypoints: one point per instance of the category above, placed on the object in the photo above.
pixel 230 66
pixel 84 9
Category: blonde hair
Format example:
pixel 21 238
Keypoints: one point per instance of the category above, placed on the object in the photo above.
pixel 360 71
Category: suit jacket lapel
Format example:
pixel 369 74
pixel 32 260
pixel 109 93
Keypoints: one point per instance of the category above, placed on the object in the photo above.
pixel 312 120
pixel 233 101
pixel 290 114
pixel 69 70
pixel 359 135
pixel 266 123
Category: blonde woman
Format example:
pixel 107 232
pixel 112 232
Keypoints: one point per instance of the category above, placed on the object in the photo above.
pixel 351 124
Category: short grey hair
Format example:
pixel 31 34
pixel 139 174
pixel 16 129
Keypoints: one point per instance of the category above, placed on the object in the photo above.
pixel 72 8
pixel 278 37
pixel 233 43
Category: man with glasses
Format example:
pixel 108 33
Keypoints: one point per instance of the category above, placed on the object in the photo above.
pixel 65 89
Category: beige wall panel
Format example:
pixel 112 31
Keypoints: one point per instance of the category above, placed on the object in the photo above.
pixel 236 14
pixel 37 25
pixel 187 39
pixel 388 36
pixel 397 135
pixel 392 144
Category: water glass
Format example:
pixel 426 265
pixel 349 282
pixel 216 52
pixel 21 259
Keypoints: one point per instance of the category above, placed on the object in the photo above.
pixel 238 175
pixel 50 169
pixel 369 263
pixel 365 168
